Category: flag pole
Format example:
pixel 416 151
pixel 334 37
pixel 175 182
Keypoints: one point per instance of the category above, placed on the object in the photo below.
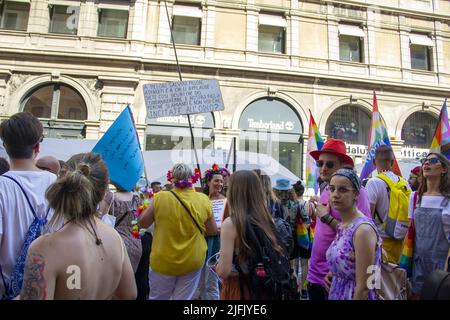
pixel 181 79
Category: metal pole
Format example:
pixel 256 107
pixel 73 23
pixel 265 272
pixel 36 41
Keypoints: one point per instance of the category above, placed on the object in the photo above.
pixel 181 79
pixel 234 155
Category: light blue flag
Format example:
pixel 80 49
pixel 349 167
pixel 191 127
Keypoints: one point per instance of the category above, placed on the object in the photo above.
pixel 121 151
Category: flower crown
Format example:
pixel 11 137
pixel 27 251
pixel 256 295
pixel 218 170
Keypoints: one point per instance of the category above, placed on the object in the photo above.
pixel 185 183
pixel 215 169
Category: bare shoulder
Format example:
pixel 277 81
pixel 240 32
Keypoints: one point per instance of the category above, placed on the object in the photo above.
pixel 365 232
pixel 228 225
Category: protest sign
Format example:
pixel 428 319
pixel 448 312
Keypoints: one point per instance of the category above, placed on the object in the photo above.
pixel 218 207
pixel 121 151
pixel 182 97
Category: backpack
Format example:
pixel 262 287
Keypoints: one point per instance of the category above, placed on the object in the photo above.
pixel 437 285
pixel 293 214
pixel 270 275
pixel 396 224
pixel 12 289
pixel 285 234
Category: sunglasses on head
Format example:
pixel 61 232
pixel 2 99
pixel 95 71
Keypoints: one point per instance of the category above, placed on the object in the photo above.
pixel 430 161
pixel 329 164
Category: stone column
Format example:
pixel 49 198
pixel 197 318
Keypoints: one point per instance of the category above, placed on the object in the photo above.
pixel 405 49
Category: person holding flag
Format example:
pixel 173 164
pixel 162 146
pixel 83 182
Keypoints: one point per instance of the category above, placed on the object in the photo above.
pixel 388 191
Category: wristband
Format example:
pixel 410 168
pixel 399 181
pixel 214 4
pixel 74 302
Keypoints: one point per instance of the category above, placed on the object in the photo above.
pixel 325 218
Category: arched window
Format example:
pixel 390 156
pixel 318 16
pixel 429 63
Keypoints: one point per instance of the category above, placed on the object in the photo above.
pixel 271 126
pixel 61 109
pixel 350 123
pixel 418 129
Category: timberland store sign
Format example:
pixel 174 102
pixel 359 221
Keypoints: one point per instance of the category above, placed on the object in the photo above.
pixel 405 153
pixel 271 125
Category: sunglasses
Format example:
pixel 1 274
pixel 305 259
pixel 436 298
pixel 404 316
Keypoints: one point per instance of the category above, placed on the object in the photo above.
pixel 329 164
pixel 430 161
pixel 340 190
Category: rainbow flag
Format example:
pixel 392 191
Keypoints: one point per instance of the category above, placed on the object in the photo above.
pixel 315 142
pixel 441 139
pixel 408 244
pixel 378 137
pixel 408 249
pixel 301 233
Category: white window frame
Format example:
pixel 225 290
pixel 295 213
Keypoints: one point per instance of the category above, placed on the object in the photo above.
pixel 420 39
pixel 351 30
pixel 272 20
pixel 5 3
pixel 187 11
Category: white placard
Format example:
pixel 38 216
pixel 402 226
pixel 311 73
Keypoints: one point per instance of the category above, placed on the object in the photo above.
pixel 182 97
pixel 218 207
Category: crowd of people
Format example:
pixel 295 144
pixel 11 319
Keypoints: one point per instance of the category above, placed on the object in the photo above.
pixel 68 232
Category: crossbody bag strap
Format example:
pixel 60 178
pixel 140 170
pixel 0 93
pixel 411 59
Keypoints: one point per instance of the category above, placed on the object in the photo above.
pixel 190 214
pixel 24 193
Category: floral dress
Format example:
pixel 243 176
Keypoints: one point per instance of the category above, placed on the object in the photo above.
pixel 342 263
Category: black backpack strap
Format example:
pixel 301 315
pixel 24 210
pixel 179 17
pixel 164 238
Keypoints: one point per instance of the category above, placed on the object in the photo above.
pixel 24 193
pixel 188 211
pixel 133 203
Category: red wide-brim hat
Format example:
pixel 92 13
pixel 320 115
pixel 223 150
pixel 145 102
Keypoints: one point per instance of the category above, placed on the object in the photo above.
pixel 336 147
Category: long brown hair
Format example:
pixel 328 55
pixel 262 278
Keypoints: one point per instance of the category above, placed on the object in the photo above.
pixel 248 206
pixel 444 184
pixel 80 187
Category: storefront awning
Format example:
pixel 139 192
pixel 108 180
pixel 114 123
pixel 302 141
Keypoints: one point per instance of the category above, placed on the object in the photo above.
pixel 187 11
pixel 350 30
pixel 271 20
pixel 420 39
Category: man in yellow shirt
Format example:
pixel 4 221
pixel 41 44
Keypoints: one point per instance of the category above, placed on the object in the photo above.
pixel 182 217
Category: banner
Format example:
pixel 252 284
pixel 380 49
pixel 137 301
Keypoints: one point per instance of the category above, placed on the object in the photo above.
pixel 378 137
pixel 182 97
pixel 315 142
pixel 121 151
pixel 441 139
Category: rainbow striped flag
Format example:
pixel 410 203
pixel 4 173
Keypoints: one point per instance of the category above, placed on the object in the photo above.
pixel 441 139
pixel 408 244
pixel 378 137
pixel 315 142
pixel 301 233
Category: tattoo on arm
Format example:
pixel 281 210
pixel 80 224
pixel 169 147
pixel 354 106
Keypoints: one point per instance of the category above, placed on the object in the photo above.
pixel 34 286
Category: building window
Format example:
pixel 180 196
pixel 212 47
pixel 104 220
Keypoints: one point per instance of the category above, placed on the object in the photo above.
pixel 349 123
pixel 272 33
pixel 418 130
pixel 61 109
pixel 186 24
pixel 64 19
pixel 421 51
pixel 351 43
pixel 14 15
pixel 112 23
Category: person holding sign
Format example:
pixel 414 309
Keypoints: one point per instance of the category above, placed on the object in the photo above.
pixel 208 288
pixel 179 248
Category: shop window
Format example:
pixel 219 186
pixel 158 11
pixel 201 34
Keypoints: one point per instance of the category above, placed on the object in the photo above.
pixel 168 133
pixel 63 19
pixel 349 123
pixel 14 15
pixel 272 127
pixel 61 109
pixel 112 23
pixel 418 130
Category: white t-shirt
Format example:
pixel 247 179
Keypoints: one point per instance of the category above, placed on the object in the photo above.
pixel 16 215
pixel 433 202
pixel 378 195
